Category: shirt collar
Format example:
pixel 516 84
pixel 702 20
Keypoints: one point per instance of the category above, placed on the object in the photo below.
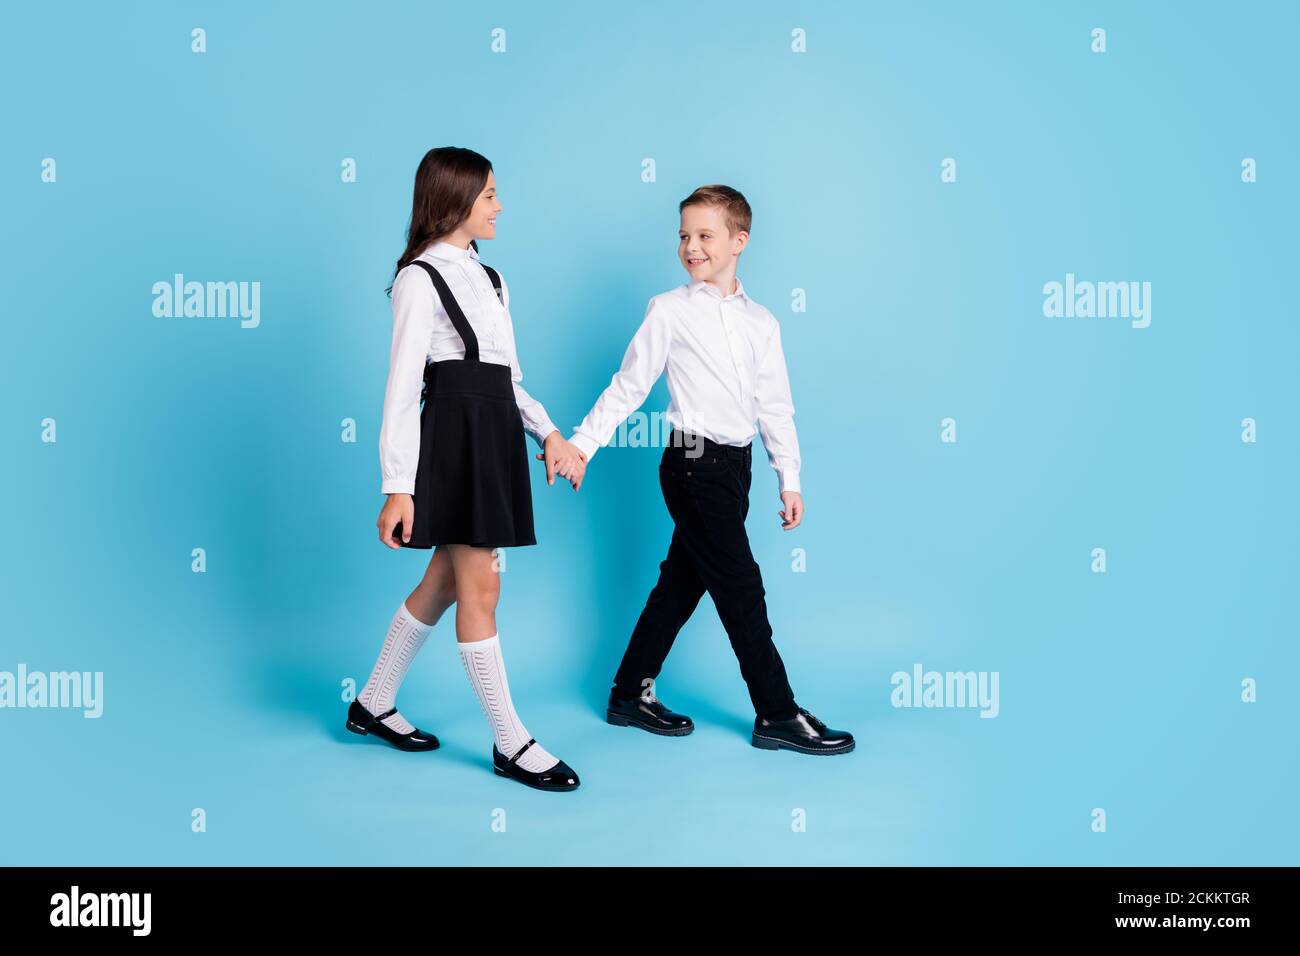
pixel 445 250
pixel 697 284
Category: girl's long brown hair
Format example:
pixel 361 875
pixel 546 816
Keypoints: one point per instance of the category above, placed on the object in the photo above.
pixel 447 184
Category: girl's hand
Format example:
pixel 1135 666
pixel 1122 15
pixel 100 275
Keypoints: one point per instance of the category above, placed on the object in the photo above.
pixel 793 512
pixel 573 468
pixel 397 508
pixel 562 458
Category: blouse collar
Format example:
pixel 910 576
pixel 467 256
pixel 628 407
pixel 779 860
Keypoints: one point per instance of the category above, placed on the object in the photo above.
pixel 446 250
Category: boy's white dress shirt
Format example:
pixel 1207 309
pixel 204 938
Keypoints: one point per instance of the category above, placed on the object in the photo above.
pixel 726 370
pixel 422 332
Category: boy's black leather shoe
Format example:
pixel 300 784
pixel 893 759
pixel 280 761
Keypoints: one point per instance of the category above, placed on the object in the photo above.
pixel 648 714
pixel 803 733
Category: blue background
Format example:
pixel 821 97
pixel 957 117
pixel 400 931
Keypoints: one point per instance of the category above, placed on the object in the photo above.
pixel 223 690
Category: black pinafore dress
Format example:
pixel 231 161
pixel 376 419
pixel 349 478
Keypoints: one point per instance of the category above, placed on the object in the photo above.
pixel 472 484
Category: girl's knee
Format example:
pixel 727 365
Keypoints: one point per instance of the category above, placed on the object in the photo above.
pixel 480 594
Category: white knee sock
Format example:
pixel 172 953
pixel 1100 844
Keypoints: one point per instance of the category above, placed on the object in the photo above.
pixel 487 674
pixel 406 636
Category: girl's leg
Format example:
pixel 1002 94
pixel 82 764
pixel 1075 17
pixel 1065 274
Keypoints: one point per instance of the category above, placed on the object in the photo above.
pixel 477 588
pixel 412 623
pixel 437 589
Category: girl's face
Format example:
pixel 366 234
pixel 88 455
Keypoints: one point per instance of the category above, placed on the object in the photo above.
pixel 482 220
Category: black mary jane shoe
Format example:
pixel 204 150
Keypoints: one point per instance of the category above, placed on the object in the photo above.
pixel 559 777
pixel 803 732
pixel 362 721
pixel 648 714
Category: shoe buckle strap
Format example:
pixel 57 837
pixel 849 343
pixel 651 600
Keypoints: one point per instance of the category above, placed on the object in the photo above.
pixel 377 718
pixel 520 752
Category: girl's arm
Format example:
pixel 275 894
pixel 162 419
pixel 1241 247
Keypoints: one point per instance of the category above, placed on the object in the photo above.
pixel 536 422
pixel 399 434
pixel 560 457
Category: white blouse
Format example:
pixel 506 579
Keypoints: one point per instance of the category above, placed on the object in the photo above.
pixel 422 333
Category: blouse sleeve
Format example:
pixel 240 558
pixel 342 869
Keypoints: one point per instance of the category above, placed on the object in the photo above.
pixel 536 422
pixel 399 434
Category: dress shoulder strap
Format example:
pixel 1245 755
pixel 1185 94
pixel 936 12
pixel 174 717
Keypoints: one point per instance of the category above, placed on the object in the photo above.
pixel 496 281
pixel 454 312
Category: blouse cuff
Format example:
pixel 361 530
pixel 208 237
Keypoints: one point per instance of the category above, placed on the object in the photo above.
pixel 398 486
pixel 540 432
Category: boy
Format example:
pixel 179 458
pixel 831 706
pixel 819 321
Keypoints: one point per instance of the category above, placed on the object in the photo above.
pixel 726 369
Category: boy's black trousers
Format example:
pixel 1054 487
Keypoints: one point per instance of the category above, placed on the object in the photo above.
pixel 706 488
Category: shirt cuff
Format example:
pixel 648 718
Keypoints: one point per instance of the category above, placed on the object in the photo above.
pixel 790 480
pixel 540 435
pixel 584 444
pixel 398 486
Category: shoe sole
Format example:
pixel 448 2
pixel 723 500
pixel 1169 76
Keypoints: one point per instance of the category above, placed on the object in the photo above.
pixel 619 720
pixel 501 773
pixel 358 729
pixel 771 743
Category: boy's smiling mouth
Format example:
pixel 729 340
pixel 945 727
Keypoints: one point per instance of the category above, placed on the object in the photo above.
pixel 690 261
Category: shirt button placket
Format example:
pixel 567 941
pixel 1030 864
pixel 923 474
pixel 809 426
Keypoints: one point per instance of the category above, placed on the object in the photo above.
pixel 489 327
pixel 731 348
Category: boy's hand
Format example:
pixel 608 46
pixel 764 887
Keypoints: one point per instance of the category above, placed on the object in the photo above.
pixel 573 468
pixel 793 513
pixel 562 458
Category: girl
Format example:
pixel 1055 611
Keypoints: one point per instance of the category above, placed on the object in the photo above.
pixel 456 469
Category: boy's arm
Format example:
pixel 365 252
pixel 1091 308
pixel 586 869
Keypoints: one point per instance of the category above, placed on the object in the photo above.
pixel 776 413
pixel 643 363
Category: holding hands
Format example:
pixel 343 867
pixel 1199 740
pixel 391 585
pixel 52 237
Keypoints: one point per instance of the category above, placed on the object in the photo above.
pixel 564 459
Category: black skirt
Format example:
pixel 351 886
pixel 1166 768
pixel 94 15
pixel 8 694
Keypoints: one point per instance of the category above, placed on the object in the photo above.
pixel 472 483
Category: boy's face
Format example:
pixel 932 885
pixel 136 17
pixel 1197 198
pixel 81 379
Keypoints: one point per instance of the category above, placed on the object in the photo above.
pixel 705 247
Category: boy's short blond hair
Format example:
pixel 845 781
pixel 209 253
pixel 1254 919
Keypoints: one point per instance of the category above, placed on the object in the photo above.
pixel 735 207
